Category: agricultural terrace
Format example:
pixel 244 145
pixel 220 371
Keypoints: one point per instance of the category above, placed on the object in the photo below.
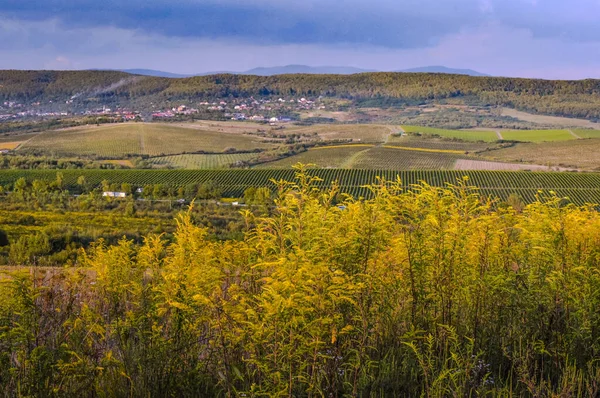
pixel 537 135
pixel 466 135
pixel 200 161
pixel 579 187
pixel 121 140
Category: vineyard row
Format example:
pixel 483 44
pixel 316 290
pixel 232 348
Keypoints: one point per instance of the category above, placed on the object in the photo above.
pixel 579 187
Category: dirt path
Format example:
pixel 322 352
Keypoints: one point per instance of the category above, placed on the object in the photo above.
pixel 347 164
pixel 499 134
pixel 573 134
pixel 142 139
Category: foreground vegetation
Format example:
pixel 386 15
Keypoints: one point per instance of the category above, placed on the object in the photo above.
pixel 435 292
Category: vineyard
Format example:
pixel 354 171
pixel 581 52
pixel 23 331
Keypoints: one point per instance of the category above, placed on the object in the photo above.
pixel 199 161
pixel 466 135
pixel 409 141
pixel 137 139
pixel 324 157
pixel 399 159
pixel 580 154
pixel 579 187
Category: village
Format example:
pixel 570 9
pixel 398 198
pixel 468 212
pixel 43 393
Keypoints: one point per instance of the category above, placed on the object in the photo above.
pixel 280 110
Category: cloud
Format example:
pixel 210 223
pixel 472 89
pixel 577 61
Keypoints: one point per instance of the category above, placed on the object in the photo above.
pixel 406 24
pixel 542 38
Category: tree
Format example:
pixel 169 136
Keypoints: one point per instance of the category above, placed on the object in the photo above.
pixel 3 238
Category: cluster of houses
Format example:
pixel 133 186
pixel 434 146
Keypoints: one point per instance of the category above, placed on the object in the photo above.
pixel 248 108
pixel 260 110
pixel 180 110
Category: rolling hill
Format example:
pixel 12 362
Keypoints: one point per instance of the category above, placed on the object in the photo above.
pixel 578 98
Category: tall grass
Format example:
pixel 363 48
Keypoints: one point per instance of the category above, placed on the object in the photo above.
pixel 435 292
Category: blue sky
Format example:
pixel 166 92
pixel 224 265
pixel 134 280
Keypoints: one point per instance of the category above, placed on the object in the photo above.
pixel 529 38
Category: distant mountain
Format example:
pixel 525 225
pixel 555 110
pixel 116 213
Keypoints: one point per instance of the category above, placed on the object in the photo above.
pixel 155 73
pixel 305 69
pixel 315 70
pixel 443 69
pixel 262 71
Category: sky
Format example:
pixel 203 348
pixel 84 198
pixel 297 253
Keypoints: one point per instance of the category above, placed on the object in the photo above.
pixel 554 39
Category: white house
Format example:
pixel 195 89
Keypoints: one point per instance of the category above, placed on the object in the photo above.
pixel 110 194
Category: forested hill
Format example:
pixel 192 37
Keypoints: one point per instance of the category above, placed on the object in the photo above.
pixel 568 98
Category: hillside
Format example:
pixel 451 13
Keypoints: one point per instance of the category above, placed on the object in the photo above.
pixel 564 98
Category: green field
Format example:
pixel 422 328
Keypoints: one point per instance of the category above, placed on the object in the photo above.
pixel 121 140
pixel 579 187
pixel 587 133
pixel 199 161
pixel 537 135
pixel 467 135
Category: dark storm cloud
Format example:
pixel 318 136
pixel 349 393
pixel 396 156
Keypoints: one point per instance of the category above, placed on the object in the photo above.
pixel 410 24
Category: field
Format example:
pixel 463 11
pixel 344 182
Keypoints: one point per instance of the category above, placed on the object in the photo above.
pixel 579 187
pixel 9 145
pixel 468 164
pixel 550 120
pixel 582 154
pixel 324 157
pixel 587 133
pixel 137 139
pixel 371 157
pixel 398 159
pixel 466 135
pixel 537 135
pixel 199 161
pixel 357 132
pixel 439 143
